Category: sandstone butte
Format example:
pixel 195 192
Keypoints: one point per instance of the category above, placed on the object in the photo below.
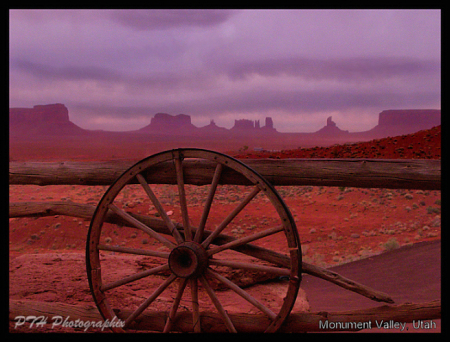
pixel 53 120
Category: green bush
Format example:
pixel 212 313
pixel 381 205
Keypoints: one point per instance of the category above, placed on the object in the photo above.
pixel 391 244
pixel 433 210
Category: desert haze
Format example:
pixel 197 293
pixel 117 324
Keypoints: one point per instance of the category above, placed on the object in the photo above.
pixel 45 132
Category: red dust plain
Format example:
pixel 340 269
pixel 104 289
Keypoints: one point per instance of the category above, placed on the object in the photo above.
pixel 335 225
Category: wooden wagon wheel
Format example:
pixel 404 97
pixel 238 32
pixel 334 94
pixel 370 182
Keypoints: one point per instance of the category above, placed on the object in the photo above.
pixel 207 253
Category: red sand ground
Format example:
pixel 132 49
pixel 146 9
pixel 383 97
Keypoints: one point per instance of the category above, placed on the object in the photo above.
pixel 336 225
pixel 425 144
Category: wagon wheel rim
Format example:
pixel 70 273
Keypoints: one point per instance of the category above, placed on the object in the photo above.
pixel 193 258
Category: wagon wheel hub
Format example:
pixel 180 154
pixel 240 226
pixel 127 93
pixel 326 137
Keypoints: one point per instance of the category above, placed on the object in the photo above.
pixel 188 260
pixel 200 248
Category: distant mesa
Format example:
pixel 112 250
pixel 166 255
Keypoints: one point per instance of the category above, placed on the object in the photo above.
pixel 51 119
pixel 269 124
pixel 166 123
pixel 390 123
pixel 404 121
pixel 253 126
pixel 330 122
pixel 410 117
pixel 212 128
pixel 56 113
pixel 331 129
pixel 163 123
pixel 244 124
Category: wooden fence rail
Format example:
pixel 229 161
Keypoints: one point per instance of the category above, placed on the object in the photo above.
pixel 361 173
pixel 41 209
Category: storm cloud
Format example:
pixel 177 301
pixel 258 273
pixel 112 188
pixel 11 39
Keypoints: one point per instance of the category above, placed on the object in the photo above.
pixel 342 69
pixel 159 19
pixel 114 69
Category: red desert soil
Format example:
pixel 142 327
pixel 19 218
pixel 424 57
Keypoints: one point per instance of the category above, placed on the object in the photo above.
pixel 424 144
pixel 335 225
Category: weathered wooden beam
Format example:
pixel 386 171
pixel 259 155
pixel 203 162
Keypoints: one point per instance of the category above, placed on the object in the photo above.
pixel 26 209
pixel 212 321
pixel 362 173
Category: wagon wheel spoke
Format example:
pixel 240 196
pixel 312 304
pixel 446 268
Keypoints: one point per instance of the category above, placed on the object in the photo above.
pixel 182 194
pixel 244 240
pixel 218 305
pixel 137 251
pixel 173 230
pixel 134 277
pixel 141 226
pixel 149 300
pixel 251 267
pixel 195 307
pixel 196 254
pixel 199 233
pixel 243 294
pixel 175 305
pixel 230 217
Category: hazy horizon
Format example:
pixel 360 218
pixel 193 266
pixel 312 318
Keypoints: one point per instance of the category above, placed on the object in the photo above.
pixel 115 69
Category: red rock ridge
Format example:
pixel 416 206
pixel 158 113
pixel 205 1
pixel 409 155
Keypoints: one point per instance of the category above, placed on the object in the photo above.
pixel 51 119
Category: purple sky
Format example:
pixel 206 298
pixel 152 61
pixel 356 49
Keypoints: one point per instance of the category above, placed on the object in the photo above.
pixel 114 69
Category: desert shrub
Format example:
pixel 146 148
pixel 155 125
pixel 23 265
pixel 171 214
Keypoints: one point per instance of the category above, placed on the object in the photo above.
pixel 433 210
pixel 391 244
pixel 332 236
